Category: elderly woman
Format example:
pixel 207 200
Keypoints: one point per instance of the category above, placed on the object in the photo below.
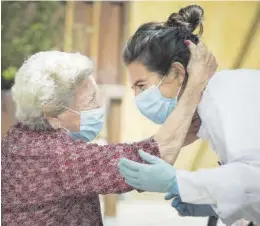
pixel 48 176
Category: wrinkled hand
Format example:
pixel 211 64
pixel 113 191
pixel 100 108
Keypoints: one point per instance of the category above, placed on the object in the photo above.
pixel 202 65
pixel 158 176
pixel 191 210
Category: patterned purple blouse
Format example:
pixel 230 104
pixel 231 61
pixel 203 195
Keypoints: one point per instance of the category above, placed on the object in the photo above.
pixel 50 179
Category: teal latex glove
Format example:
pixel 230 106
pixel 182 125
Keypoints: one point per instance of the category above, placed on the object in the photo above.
pixel 158 176
pixel 192 210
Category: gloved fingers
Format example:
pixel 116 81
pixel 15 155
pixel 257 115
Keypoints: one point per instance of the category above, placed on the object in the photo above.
pixel 169 196
pixel 180 206
pixel 176 204
pixel 184 213
pixel 148 157
pixel 131 164
pixel 182 210
pixel 130 179
pixel 176 201
pixel 204 210
pixel 126 172
pixel 133 184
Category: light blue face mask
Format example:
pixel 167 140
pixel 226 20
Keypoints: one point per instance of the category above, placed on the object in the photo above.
pixel 91 123
pixel 153 105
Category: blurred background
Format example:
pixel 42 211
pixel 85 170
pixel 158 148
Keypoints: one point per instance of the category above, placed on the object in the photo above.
pixel 99 30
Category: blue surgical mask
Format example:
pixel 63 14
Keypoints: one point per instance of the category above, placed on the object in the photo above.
pixel 91 123
pixel 153 105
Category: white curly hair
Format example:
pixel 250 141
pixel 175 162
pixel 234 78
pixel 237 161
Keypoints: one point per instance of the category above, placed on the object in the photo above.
pixel 49 79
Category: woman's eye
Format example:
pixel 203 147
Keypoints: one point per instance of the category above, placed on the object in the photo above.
pixel 141 87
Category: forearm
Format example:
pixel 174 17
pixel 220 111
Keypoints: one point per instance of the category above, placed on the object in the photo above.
pixel 201 67
pixel 116 182
pixel 95 169
pixel 171 135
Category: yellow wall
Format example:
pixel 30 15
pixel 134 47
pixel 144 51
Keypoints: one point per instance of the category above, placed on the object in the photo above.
pixel 225 28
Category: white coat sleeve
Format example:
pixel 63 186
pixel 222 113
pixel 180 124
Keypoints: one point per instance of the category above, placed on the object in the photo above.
pixel 232 189
pixel 229 189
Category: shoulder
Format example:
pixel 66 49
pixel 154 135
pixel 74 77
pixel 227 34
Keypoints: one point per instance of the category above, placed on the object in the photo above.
pixel 233 80
pixel 14 134
pixel 22 141
pixel 228 91
pixel 232 86
pixel 235 94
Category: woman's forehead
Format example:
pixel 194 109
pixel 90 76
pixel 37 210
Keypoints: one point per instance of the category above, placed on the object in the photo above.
pixel 138 72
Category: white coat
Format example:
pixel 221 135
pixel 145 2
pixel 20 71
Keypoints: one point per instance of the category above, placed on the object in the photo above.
pixel 230 115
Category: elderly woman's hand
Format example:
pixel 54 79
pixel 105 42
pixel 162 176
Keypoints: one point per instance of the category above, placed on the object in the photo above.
pixel 202 65
pixel 158 176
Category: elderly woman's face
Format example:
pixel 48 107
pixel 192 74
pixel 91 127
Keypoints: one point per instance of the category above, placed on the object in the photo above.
pixel 87 97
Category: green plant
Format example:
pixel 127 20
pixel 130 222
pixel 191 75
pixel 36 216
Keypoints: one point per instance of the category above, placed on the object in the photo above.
pixel 27 28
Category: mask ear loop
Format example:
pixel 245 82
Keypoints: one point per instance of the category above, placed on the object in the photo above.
pixel 45 116
pixel 71 110
pixel 161 81
pixel 76 112
pixel 177 96
pixel 178 93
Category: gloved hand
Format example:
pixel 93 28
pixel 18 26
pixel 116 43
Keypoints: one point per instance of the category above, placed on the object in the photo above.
pixel 158 176
pixel 188 209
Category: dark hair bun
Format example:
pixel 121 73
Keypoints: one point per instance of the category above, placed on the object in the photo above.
pixel 189 17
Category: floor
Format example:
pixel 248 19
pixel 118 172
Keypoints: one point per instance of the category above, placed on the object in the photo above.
pixel 136 210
